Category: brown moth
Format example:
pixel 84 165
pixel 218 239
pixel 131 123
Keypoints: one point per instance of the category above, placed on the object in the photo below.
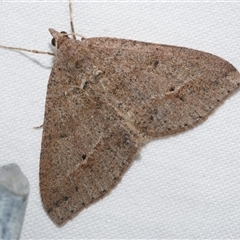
pixel 106 98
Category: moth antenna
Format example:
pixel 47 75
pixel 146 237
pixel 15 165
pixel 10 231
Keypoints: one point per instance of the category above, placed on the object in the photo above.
pixel 76 34
pixel 71 20
pixel 26 50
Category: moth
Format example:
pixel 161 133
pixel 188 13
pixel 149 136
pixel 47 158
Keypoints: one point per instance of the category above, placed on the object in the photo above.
pixel 106 98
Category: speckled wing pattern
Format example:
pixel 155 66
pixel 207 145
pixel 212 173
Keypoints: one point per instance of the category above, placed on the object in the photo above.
pixel 107 97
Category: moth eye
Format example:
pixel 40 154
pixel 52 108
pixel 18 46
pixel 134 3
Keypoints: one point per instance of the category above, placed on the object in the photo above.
pixel 53 42
pixel 64 33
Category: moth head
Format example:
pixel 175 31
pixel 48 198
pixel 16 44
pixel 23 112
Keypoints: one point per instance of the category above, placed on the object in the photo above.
pixel 58 37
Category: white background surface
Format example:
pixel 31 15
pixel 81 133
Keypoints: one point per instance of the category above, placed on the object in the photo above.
pixel 185 186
